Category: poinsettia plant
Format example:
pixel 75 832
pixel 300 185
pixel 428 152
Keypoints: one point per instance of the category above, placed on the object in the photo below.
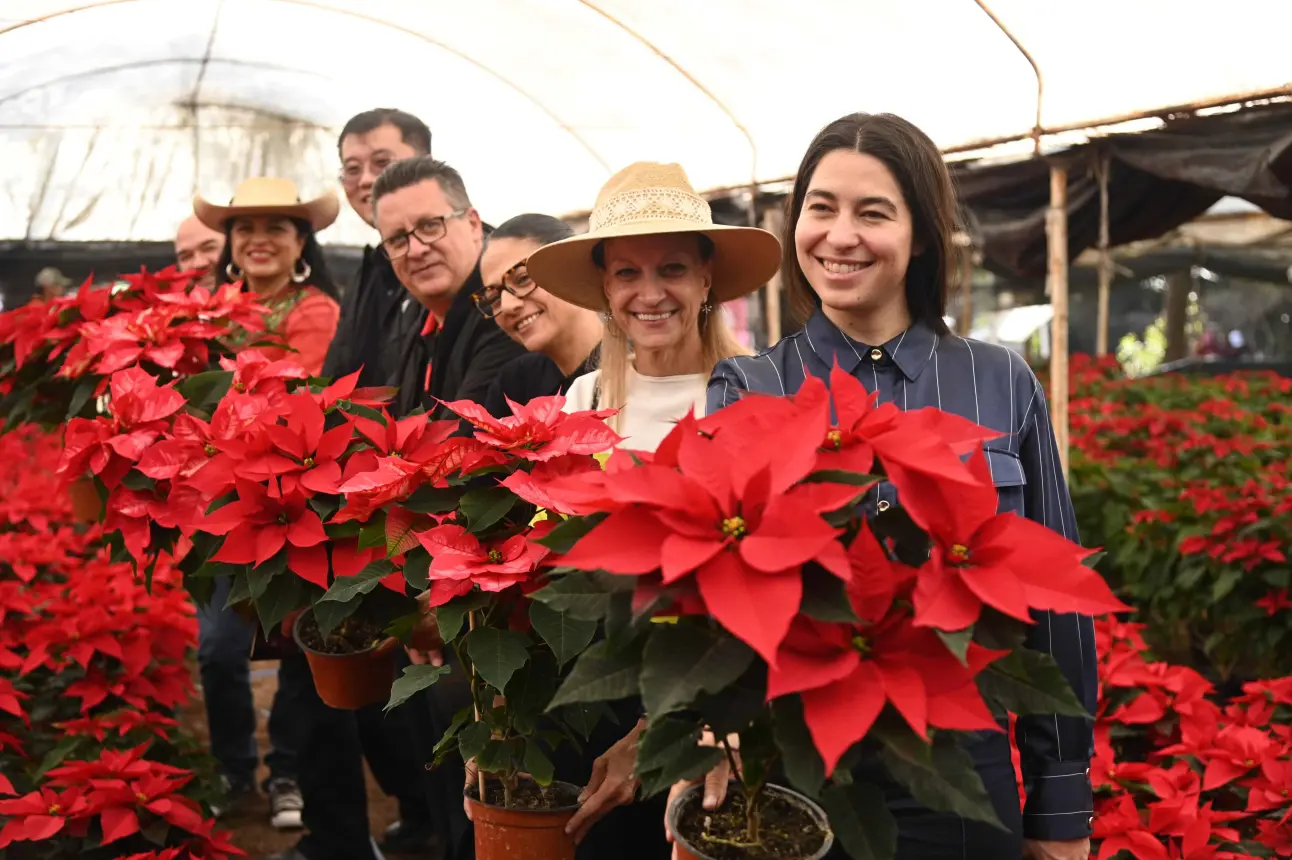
pixel 57 354
pixel 464 538
pixel 745 597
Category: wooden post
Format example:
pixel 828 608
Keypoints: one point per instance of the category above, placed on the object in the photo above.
pixel 1056 240
pixel 1102 167
pixel 773 219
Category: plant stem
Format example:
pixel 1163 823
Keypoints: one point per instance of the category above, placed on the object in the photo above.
pixel 475 704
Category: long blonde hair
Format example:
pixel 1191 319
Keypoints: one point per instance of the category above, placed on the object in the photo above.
pixel 716 343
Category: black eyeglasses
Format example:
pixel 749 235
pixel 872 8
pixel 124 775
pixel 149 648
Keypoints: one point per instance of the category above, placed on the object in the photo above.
pixel 515 280
pixel 428 231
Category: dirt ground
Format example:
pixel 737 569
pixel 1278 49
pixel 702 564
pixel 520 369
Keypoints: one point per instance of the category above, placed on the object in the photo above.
pixel 252 831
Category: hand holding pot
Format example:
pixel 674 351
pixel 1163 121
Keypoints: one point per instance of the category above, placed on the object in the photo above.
pixel 426 646
pixel 715 781
pixel 1072 849
pixel 611 785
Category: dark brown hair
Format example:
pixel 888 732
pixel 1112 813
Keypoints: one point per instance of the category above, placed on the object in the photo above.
pixel 407 172
pixel 917 165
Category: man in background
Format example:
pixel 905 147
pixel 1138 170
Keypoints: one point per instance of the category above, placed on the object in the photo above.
pixel 224 644
pixel 376 316
pixel 197 248
pixel 51 283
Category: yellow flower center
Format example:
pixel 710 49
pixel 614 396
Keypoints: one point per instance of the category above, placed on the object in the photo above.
pixel 495 557
pixel 210 449
pixel 55 809
pixel 309 463
pixel 959 553
pixel 859 642
pixel 734 527
pixel 239 386
pixel 141 797
pixel 834 439
pixel 1249 763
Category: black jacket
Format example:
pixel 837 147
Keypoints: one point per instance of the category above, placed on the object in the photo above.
pixel 378 319
pixel 465 354
pixel 532 375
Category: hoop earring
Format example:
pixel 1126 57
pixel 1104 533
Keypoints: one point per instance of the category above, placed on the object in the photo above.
pixel 233 272
pixel 299 277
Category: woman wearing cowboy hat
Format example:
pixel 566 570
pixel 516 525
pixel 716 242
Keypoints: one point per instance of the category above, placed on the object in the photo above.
pixel 271 248
pixel 658 269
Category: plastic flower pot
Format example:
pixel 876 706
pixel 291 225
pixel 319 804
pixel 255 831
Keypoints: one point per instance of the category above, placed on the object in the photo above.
pixel 535 834
pixel 348 682
pixel 686 850
pixel 87 507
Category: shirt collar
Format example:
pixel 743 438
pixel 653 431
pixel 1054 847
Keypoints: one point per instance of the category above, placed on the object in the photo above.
pixel 910 350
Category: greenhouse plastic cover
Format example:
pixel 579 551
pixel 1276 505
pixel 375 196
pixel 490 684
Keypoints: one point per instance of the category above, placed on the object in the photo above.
pixel 113 113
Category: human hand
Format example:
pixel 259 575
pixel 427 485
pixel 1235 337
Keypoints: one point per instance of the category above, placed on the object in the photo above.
pixel 611 785
pixel 1067 849
pixel 715 781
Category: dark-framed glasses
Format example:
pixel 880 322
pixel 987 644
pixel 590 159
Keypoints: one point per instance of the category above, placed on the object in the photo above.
pixel 428 231
pixel 515 280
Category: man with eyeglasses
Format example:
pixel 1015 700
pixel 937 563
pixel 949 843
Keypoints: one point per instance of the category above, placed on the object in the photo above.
pixel 433 237
pixel 377 318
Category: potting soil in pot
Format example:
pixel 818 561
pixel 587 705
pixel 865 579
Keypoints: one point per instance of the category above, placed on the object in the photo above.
pixel 529 795
pixel 786 830
pixel 350 636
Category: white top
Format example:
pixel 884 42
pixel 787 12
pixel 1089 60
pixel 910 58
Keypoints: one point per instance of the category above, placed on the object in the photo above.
pixel 654 404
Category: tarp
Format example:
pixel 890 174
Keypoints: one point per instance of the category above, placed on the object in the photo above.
pixel 112 113
pixel 1157 181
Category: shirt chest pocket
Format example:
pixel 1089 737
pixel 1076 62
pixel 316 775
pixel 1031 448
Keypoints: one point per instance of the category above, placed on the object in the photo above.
pixel 1009 479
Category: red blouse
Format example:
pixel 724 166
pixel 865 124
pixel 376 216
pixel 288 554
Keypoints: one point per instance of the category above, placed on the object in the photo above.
pixel 308 329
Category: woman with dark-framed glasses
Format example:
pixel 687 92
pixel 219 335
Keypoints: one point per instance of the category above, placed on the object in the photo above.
pixel 562 338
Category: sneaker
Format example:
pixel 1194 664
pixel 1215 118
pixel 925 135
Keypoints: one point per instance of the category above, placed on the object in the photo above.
pixel 285 804
pixel 237 795
pixel 404 837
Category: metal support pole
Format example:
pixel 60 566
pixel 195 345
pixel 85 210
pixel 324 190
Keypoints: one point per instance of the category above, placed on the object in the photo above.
pixel 773 220
pixel 1056 240
pixel 1102 166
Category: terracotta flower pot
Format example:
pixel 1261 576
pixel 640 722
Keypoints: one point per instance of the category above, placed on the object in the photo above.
pixel 692 795
pixel 505 834
pixel 87 507
pixel 348 682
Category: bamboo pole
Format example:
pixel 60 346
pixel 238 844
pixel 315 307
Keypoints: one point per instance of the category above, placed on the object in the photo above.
pixel 966 284
pixel 1102 166
pixel 480 777
pixel 1056 240
pixel 773 220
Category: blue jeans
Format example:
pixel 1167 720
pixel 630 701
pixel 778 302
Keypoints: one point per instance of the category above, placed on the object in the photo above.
pixel 223 651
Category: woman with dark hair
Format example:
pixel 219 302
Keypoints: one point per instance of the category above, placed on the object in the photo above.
pixel 270 246
pixel 562 338
pixel 868 257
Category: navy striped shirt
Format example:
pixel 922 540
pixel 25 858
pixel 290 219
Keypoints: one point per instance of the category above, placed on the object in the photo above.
pixel 992 386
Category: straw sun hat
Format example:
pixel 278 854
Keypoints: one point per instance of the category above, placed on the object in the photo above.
pixel 647 199
pixel 263 196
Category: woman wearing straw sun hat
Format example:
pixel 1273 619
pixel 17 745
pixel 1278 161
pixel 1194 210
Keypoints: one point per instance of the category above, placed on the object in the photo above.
pixel 270 246
pixel 658 269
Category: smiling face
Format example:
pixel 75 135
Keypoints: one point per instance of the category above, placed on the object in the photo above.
pixel 854 237
pixel 363 157
pixel 265 247
pixel 654 288
pixel 432 272
pixel 536 321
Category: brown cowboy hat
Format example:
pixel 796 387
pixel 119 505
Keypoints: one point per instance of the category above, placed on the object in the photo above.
pixel 647 199
pixel 265 196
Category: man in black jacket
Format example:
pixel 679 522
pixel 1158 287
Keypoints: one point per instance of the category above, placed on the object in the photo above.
pixel 433 237
pixel 377 316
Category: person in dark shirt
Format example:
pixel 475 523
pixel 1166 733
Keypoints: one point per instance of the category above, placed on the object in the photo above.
pixel 868 257
pixel 562 338
pixel 433 237
pixel 377 315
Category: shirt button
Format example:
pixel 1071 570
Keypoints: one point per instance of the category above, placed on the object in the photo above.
pixel 883 505
pixel 876 354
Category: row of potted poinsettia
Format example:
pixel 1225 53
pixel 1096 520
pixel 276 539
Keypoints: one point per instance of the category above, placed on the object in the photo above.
pixel 725 580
